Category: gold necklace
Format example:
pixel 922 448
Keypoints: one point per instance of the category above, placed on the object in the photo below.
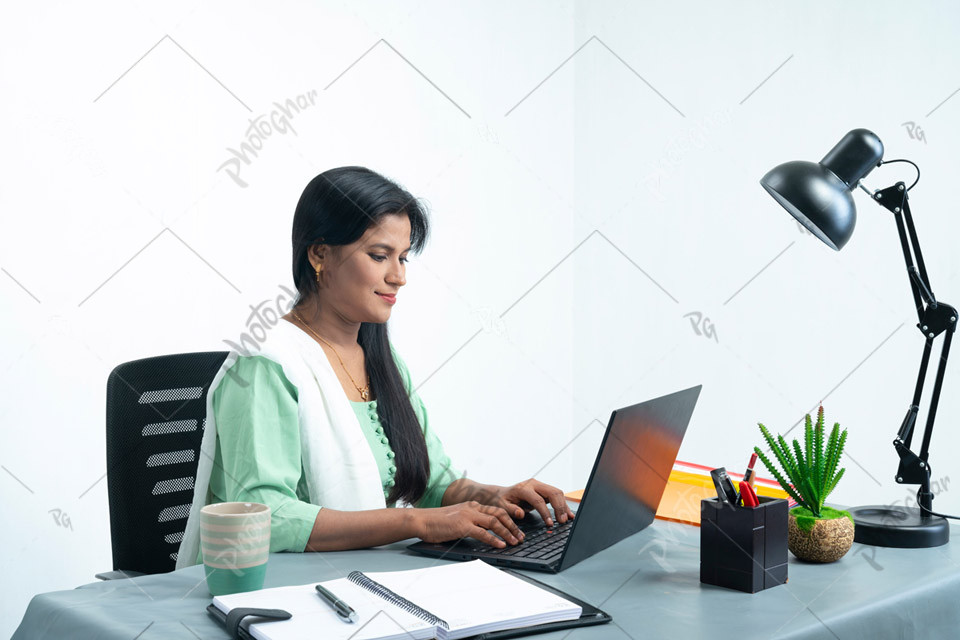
pixel 364 392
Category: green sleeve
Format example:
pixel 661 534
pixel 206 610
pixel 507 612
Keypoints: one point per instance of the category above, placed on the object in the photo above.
pixel 258 457
pixel 442 470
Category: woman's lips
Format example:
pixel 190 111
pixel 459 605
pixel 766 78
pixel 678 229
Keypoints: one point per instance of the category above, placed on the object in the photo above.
pixel 390 299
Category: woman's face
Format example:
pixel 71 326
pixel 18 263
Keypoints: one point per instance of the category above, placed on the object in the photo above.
pixel 356 276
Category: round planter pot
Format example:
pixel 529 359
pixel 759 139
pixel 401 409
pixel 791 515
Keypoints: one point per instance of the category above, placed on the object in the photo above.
pixel 827 541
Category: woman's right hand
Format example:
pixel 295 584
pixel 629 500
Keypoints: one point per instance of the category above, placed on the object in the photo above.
pixel 467 519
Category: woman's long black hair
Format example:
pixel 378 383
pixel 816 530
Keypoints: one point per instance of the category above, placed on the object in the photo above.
pixel 338 206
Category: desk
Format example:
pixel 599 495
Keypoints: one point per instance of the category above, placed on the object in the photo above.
pixel 648 582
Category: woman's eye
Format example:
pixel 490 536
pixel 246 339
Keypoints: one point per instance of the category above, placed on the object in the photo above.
pixel 382 258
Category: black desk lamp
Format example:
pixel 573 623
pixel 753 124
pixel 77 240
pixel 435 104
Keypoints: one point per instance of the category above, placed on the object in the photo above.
pixel 819 196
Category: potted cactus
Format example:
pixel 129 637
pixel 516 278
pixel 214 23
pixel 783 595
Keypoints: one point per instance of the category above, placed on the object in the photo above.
pixel 816 532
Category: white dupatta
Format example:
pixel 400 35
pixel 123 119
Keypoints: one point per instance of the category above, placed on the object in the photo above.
pixel 341 471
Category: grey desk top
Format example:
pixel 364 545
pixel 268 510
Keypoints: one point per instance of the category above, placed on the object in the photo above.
pixel 649 583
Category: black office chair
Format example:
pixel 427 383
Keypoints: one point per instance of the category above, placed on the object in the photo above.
pixel 156 409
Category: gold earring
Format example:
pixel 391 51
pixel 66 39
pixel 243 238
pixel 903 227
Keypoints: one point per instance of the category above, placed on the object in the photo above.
pixel 319 269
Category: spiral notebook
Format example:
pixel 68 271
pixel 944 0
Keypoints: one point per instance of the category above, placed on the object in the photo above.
pixel 450 601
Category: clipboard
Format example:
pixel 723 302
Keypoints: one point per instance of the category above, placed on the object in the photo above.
pixel 589 616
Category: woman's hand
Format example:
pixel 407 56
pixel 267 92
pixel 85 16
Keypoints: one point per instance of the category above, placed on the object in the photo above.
pixel 467 519
pixel 532 494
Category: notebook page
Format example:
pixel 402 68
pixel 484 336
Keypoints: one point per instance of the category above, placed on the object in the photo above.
pixel 314 618
pixel 474 597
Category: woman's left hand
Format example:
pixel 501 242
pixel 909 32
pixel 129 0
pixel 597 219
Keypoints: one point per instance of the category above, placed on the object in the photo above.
pixel 533 494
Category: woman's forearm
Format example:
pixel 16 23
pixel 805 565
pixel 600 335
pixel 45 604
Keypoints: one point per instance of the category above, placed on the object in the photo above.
pixel 465 489
pixel 340 530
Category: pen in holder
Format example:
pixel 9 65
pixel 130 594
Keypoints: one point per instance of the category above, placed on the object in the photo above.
pixel 743 548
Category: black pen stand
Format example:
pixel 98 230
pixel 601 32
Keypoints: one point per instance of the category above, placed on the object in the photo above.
pixel 743 548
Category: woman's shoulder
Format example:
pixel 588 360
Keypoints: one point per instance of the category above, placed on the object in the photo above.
pixel 249 372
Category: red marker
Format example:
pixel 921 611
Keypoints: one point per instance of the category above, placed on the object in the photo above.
pixel 750 475
pixel 748 495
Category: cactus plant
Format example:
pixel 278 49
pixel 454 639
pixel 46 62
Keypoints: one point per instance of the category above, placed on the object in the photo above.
pixel 807 474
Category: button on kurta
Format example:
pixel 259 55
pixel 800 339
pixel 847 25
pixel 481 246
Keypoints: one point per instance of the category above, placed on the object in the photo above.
pixel 392 469
pixel 384 440
pixel 390 455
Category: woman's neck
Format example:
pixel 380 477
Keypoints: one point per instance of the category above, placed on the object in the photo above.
pixel 331 326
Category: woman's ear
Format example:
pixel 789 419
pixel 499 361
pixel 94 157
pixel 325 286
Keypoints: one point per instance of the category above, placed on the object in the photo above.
pixel 316 254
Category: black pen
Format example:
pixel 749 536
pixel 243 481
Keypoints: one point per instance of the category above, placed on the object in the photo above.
pixel 342 608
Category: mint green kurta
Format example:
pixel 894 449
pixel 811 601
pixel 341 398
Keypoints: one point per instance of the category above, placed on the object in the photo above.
pixel 258 449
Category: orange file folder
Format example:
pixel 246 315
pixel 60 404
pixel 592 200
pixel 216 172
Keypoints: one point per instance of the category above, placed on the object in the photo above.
pixel 690 483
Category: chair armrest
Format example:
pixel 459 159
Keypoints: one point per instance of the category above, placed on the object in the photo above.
pixel 118 575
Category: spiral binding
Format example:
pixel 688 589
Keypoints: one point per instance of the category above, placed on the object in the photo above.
pixel 357 577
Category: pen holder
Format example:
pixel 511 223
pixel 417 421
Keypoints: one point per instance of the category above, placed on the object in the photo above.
pixel 743 548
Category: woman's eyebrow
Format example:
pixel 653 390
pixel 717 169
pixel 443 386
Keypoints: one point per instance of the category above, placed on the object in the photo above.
pixel 381 245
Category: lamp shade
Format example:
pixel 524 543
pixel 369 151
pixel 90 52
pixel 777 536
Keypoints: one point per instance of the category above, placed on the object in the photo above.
pixel 819 194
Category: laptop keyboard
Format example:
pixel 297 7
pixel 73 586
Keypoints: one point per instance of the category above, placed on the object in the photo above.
pixel 539 543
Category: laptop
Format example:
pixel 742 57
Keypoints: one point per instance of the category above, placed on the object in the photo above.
pixel 626 484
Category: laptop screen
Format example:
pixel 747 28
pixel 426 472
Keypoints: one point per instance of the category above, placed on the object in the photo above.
pixel 630 472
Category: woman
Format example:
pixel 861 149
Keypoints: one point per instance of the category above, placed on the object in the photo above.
pixel 279 429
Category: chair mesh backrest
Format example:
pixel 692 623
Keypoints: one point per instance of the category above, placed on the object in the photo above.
pixel 156 408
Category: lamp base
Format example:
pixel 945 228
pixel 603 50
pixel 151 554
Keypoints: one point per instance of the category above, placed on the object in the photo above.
pixel 901 527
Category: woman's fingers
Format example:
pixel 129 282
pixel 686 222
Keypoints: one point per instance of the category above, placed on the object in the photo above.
pixel 558 501
pixel 500 522
pixel 494 524
pixel 535 492
pixel 511 508
pixel 481 534
pixel 530 494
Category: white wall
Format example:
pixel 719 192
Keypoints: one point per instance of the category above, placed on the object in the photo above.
pixel 532 132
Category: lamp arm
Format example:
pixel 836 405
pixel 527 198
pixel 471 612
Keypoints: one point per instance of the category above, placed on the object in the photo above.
pixel 935 318
pixel 895 199
pixel 918 273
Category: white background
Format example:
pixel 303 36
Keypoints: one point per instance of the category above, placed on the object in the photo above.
pixel 592 174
